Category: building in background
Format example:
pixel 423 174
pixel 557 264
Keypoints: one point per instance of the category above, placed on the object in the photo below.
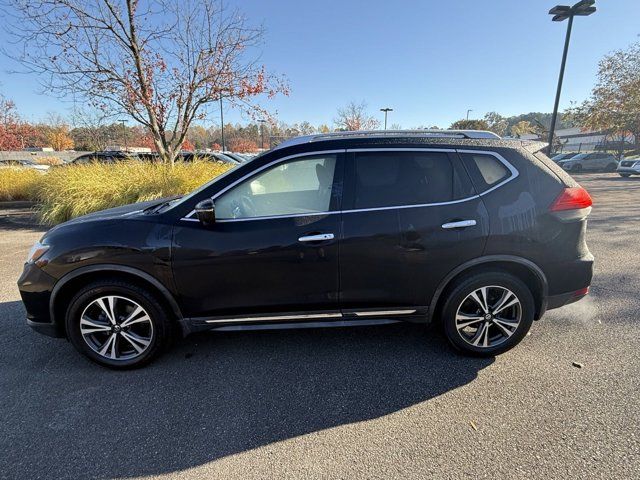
pixel 576 139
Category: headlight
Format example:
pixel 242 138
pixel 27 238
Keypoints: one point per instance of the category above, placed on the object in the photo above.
pixel 37 251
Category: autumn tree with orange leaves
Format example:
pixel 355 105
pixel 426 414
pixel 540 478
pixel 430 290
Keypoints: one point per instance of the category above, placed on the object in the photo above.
pixel 161 62
pixel 14 133
pixel 242 145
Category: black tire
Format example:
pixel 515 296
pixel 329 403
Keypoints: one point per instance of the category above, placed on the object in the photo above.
pixel 611 167
pixel 625 175
pixel 577 168
pixel 159 329
pixel 460 293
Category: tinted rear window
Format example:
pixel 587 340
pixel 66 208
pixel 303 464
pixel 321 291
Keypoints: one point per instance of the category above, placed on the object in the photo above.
pixel 386 179
pixel 485 170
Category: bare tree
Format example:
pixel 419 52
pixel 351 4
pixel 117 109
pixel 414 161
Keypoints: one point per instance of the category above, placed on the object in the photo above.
pixel 355 117
pixel 160 62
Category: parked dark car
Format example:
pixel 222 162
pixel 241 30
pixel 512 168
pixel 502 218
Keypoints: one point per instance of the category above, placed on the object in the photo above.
pixel 481 235
pixel 102 157
pixel 208 156
pixel 563 156
pixel 236 156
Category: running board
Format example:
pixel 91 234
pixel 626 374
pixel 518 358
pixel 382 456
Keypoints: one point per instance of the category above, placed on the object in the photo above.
pixel 298 325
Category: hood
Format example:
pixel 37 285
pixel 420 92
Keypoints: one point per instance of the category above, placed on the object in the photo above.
pixel 114 213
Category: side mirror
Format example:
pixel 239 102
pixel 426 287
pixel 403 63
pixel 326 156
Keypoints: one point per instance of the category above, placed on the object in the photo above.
pixel 206 212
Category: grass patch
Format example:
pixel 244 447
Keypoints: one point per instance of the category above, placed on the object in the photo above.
pixel 18 183
pixel 76 190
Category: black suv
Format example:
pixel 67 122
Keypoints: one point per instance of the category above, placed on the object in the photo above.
pixel 477 233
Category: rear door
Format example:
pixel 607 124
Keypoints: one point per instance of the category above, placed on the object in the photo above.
pixel 410 217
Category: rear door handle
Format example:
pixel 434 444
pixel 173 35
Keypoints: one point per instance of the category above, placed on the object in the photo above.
pixel 316 238
pixel 459 224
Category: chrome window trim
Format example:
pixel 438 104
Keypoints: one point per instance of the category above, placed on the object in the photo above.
pixel 274 217
pixel 514 174
pixel 419 205
pixel 501 159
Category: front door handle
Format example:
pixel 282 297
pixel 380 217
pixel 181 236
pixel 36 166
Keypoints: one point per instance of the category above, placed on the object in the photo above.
pixel 316 238
pixel 459 224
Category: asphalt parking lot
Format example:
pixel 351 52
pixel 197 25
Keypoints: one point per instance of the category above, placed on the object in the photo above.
pixel 383 402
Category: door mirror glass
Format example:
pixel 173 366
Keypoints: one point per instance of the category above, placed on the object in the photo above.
pixel 206 212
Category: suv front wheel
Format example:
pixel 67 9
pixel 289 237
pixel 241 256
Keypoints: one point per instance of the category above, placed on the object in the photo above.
pixel 486 314
pixel 117 324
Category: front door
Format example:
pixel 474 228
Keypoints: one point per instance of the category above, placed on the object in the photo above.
pixel 403 230
pixel 273 250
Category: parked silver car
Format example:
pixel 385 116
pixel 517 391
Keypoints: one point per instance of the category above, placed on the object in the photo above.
pixel 24 164
pixel 594 161
pixel 629 166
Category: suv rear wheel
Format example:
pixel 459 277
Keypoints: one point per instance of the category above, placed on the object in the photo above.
pixel 117 324
pixel 486 314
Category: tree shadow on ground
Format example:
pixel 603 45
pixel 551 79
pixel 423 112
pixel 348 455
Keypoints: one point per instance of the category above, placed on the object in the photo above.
pixel 213 395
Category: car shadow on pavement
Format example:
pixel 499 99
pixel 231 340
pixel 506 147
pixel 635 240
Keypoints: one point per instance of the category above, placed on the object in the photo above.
pixel 212 395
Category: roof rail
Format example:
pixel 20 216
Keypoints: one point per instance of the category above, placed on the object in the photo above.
pixel 468 134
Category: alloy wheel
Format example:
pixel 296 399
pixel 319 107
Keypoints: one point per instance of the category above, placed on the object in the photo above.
pixel 488 316
pixel 116 327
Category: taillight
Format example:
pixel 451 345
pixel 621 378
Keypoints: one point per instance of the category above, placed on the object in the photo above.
pixel 574 198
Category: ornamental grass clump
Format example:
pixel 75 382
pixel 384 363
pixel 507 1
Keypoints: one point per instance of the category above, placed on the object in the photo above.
pixel 76 190
pixel 17 183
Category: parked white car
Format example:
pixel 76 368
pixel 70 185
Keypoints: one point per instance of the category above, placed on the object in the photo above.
pixel 24 164
pixel 629 166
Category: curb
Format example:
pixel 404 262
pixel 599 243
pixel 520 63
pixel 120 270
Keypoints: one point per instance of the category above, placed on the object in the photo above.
pixel 18 204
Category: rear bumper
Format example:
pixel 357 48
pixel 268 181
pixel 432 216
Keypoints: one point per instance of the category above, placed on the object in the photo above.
pixel 569 282
pixel 557 301
pixel 35 289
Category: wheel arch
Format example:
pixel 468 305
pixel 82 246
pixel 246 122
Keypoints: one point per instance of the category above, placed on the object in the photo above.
pixel 66 287
pixel 524 269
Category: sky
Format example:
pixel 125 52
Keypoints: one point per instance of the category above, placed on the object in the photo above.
pixel 428 60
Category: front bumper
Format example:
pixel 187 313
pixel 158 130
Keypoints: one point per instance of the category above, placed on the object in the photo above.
pixel 35 289
pixel 628 170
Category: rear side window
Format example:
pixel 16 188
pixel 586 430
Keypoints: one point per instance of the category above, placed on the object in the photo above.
pixel 485 170
pixel 387 179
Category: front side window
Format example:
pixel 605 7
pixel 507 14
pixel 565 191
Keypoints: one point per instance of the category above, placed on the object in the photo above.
pixel 301 186
pixel 387 179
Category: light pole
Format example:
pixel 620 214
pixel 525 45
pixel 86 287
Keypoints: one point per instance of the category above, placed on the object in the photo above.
pixel 561 13
pixel 124 134
pixel 468 111
pixel 262 120
pixel 386 110
pixel 222 124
